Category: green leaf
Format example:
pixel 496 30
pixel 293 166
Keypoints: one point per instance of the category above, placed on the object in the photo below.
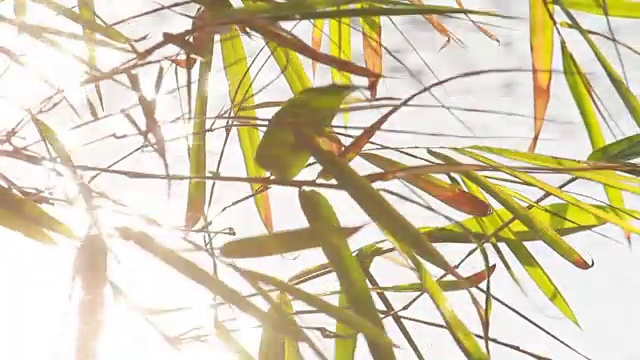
pixel 353 282
pixel 606 215
pixel 291 67
pixel 625 149
pixel 327 9
pixel 198 152
pixel 313 108
pixel 446 285
pixel 403 235
pixel 605 177
pixel 565 219
pixel 275 346
pixel 347 338
pixel 548 235
pixel 281 242
pixel 26 217
pixel 241 94
pixel 340 47
pixel 615 8
pixel 348 317
pixel 626 95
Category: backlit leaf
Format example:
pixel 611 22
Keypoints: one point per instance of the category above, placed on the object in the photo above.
pixel 313 108
pixel 541 42
pixel 353 282
pixel 239 81
pixel 449 194
pixel 280 242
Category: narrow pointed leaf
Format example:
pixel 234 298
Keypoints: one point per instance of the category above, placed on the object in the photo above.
pixel 285 38
pixel 280 242
pixel 236 69
pixel 291 67
pixel 582 95
pixel 541 42
pixel 316 41
pixel 606 177
pixel 548 235
pixel 606 215
pixel 348 317
pixel 275 346
pixel 625 149
pixel 446 285
pixel 626 95
pixel 372 48
pixel 198 152
pixel 353 282
pixel 617 8
pixel 449 194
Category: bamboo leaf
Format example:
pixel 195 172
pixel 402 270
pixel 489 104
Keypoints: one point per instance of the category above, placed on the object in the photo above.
pixel 581 91
pixel 90 24
pixel 198 152
pixel 616 8
pixel 449 194
pixel 236 69
pixel 275 346
pixel 469 282
pixel 316 41
pixel 565 219
pixel 608 216
pixel 625 149
pixel 353 282
pixel 548 235
pixel 372 48
pixel 280 242
pixel 348 317
pixel 626 95
pixel 541 42
pixel 605 177
pixel 291 67
pixel 314 108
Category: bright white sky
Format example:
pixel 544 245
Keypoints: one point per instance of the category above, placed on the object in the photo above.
pixel 36 318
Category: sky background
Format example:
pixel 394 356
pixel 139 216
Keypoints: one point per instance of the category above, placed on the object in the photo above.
pixel 35 313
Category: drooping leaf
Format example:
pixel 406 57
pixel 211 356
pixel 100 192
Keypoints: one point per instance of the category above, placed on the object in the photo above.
pixel 582 95
pixel 353 283
pixel 313 108
pixel 236 69
pixel 626 95
pixel 606 215
pixel 548 235
pixel 605 177
pixel 26 217
pixel 372 49
pixel 275 346
pixel 198 152
pixel 541 42
pixel 291 67
pixel 348 317
pixel 449 194
pixel 280 242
